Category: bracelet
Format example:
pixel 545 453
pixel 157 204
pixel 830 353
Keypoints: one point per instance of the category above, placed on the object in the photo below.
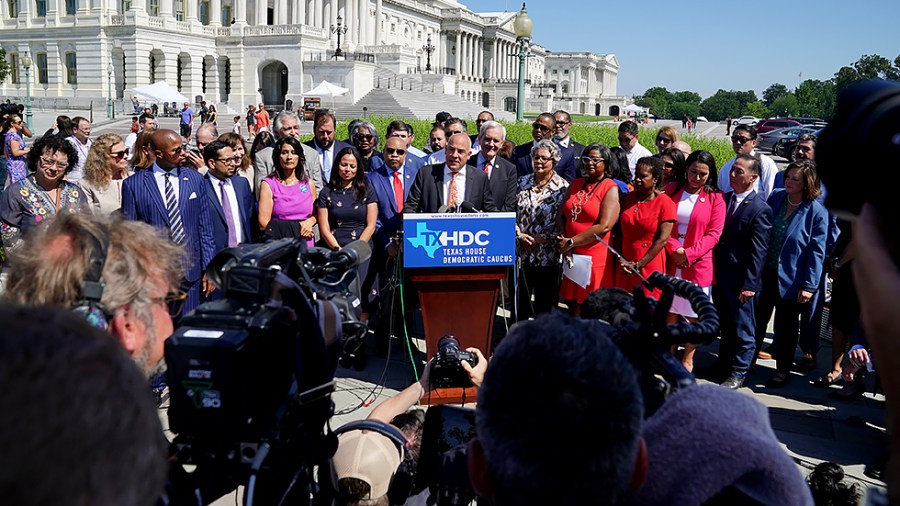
pixel 571 242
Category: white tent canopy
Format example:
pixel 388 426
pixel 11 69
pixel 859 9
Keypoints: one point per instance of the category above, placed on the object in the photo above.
pixel 159 92
pixel 634 108
pixel 326 89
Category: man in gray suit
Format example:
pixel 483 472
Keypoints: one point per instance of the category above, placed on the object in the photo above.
pixel 286 124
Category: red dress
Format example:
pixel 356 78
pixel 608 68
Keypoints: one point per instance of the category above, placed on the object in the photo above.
pixel 639 222
pixel 590 197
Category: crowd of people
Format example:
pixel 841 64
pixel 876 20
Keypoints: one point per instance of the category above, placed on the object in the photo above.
pixel 755 239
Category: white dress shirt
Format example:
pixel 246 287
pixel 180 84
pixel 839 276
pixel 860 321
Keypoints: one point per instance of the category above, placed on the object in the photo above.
pixel 636 153
pixel 160 176
pixel 326 157
pixel 74 175
pixel 232 199
pixel 763 184
pixel 460 183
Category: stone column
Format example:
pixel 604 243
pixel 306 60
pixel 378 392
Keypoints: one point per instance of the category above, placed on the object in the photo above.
pixel 458 55
pixel 300 12
pixel 378 34
pixel 239 10
pixel 281 12
pixel 212 84
pixel 166 9
pixel 334 14
pixel 262 12
pixel 190 10
pixel 316 13
pixel 362 17
pixel 215 12
pixel 53 9
pixel 480 65
pixel 351 22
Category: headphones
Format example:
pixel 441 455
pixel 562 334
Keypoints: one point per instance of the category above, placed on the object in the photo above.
pixel 88 304
pixel 402 483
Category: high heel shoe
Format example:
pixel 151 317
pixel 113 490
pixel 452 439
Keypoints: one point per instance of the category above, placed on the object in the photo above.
pixel 852 390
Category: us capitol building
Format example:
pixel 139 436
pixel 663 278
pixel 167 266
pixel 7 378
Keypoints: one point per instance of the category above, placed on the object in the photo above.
pixel 236 52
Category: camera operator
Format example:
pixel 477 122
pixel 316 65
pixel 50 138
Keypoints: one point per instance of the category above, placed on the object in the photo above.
pixel 77 423
pixel 368 470
pixel 610 455
pixel 138 270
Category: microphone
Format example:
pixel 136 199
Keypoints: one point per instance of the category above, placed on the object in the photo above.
pixel 467 207
pixel 352 254
pixel 445 209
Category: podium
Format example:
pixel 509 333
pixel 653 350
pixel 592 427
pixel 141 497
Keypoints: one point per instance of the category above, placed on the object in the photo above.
pixel 456 262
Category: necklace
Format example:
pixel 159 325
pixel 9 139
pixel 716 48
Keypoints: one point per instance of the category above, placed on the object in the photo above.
pixel 582 197
pixel 793 204
pixel 539 187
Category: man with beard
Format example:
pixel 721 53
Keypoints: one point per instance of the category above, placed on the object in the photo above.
pixel 123 276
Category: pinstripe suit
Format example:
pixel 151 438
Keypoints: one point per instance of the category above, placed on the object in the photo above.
pixel 143 201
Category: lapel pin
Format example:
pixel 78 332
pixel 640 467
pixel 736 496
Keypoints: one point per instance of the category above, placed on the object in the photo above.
pixel 702 199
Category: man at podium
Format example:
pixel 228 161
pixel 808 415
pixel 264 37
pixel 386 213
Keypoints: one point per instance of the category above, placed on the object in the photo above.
pixel 452 184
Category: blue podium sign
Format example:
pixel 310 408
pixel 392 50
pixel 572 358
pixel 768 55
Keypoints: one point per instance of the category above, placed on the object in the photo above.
pixel 459 240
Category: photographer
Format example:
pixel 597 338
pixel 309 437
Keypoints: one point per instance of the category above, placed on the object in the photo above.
pixel 366 466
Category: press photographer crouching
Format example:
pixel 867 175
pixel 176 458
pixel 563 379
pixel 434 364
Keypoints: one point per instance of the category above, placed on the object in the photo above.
pixel 377 459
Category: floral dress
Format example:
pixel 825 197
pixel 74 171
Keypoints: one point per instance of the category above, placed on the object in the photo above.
pixel 25 205
pixel 15 164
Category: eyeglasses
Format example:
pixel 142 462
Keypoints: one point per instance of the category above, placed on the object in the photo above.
pixel 234 159
pixel 541 159
pixel 541 127
pixel 50 163
pixel 740 140
pixel 624 139
pixel 562 123
pixel 118 155
pixel 175 301
pixel 394 151
pixel 590 159
pixel 367 138
pixel 668 165
pixel 663 140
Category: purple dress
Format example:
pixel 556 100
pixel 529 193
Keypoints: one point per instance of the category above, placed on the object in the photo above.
pixel 15 164
pixel 293 203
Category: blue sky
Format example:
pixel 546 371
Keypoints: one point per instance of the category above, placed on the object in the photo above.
pixel 704 45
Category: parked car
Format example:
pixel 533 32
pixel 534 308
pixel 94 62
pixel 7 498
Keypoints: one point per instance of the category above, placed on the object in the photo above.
pixel 767 141
pixel 746 120
pixel 785 147
pixel 813 122
pixel 768 125
pixel 702 118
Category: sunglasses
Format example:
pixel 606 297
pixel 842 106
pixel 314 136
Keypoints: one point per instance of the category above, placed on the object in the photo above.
pixel 741 140
pixel 541 127
pixel 367 138
pixel 118 155
pixel 663 140
pixel 394 151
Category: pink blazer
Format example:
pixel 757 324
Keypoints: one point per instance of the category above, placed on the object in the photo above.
pixel 703 232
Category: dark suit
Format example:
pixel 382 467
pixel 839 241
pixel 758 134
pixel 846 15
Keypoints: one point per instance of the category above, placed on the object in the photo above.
pixel 502 181
pixel 338 146
pixel 577 150
pixel 143 201
pixel 246 210
pixel 521 156
pixel 426 194
pixel 381 178
pixel 739 259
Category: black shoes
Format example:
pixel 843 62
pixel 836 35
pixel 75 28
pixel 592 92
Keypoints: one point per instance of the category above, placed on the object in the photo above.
pixel 733 383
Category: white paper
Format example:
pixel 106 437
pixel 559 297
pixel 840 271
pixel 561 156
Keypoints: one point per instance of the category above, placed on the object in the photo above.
pixel 580 271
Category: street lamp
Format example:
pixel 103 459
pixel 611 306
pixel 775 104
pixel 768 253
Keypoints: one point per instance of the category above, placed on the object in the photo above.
pixel 339 30
pixel 428 48
pixel 110 114
pixel 26 62
pixel 522 26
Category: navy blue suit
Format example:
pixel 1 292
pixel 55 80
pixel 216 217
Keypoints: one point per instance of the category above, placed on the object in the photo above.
pixel 142 201
pixel 800 264
pixel 246 210
pixel 381 178
pixel 521 156
pixel 502 182
pixel 740 256
pixel 338 146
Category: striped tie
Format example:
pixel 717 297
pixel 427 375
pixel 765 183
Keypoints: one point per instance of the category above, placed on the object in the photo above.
pixel 176 228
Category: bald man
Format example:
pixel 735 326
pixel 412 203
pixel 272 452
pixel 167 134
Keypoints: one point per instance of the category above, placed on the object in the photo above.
pixel 171 197
pixel 451 183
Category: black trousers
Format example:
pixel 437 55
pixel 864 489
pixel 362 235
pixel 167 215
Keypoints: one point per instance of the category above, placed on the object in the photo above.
pixel 542 282
pixel 787 320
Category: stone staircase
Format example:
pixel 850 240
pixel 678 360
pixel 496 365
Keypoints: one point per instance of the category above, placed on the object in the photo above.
pixel 407 103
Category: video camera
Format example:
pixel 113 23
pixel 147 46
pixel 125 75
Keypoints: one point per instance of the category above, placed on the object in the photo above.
pixel 251 375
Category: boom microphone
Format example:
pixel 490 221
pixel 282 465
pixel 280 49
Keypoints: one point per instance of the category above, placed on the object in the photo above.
pixel 467 207
pixel 445 209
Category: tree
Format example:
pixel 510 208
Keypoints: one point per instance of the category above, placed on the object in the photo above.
pixel 657 99
pixel 690 97
pixel 785 105
pixel 774 92
pixel 680 109
pixel 757 109
pixel 721 105
pixel 4 66
pixel 816 98
pixel 867 67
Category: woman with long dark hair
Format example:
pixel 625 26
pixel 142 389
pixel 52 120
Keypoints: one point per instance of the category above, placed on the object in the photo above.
pixel 286 196
pixel 701 217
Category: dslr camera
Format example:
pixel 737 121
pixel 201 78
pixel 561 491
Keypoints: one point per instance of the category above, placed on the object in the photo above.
pixel 446 368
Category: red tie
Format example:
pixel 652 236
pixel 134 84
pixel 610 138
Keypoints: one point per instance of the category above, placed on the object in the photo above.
pixel 487 168
pixel 398 191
